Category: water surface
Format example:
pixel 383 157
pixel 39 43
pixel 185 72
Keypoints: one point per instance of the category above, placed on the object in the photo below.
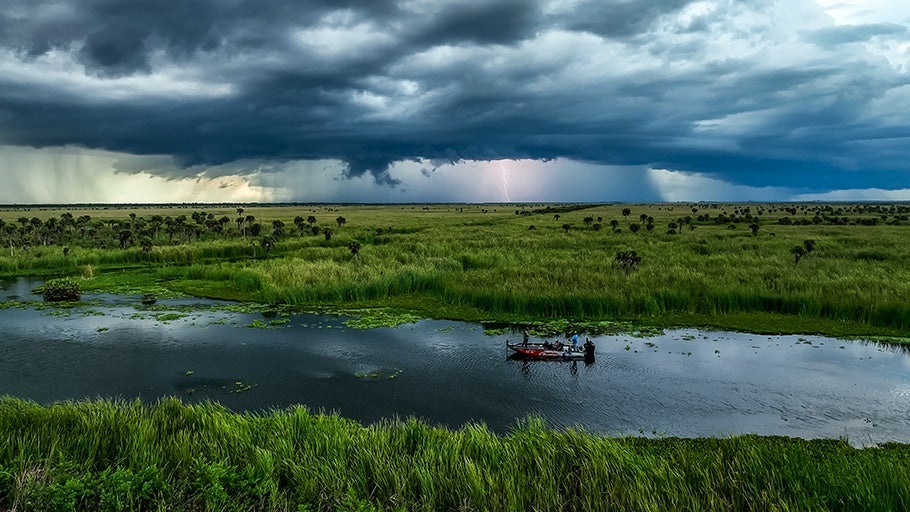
pixel 682 383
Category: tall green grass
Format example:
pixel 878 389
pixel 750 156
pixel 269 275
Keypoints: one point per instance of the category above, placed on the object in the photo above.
pixel 126 456
pixel 492 263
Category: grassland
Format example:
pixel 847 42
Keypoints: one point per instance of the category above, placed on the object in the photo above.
pixel 171 456
pixel 742 267
pixel 710 265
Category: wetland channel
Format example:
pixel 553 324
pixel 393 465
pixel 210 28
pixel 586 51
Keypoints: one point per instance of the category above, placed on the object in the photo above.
pixel 686 382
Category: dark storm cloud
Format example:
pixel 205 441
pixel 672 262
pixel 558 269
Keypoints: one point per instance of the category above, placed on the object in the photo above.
pixel 620 18
pixel 374 82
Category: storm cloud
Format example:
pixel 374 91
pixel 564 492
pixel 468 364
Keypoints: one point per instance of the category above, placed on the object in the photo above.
pixel 752 93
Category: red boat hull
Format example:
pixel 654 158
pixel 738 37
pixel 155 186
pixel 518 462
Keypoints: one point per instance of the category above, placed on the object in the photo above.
pixel 539 352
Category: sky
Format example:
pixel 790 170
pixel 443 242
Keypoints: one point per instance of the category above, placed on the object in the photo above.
pixel 454 101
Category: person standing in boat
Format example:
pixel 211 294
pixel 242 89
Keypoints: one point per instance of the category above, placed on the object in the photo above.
pixel 524 340
pixel 574 341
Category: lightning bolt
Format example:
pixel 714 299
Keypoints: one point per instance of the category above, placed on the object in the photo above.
pixel 505 182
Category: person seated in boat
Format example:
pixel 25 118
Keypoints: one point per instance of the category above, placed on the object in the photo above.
pixel 557 345
pixel 547 345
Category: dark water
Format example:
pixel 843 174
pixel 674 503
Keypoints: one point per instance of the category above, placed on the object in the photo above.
pixel 685 382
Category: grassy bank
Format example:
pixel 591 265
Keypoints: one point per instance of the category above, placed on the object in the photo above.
pixel 126 456
pixel 728 266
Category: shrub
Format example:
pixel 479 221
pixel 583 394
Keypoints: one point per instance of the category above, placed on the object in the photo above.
pixel 628 260
pixel 60 290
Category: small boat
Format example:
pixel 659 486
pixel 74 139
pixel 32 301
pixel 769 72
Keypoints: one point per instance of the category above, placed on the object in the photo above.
pixel 541 351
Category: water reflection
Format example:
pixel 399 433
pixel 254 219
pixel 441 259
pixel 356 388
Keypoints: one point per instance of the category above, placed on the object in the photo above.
pixel 684 382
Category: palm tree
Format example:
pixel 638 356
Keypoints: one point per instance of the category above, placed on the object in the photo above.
pixel 809 245
pixel 566 227
pixel 36 225
pixel 556 216
pixel 613 224
pixel 125 237
pixel 588 221
pixel 626 212
pixel 300 222
pixel 354 247
pixel 311 220
pixel 754 228
pixel 240 226
pixel 146 244
pixel 327 233
pixel 798 252
pixel 277 228
pixel 10 230
pixel 634 227
pixel 340 221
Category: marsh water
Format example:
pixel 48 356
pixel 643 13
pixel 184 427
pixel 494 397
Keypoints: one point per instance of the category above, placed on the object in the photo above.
pixel 681 383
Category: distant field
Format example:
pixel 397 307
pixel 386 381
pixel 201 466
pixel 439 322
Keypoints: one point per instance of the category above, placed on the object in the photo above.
pixel 837 269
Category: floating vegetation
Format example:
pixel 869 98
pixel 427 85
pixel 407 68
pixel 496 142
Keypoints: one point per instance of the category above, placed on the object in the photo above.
pixel 370 318
pixel 241 387
pixel 103 329
pixel 168 317
pixel 379 374
pixel 446 329
pixel 277 323
pixel 495 331
pixel 188 373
